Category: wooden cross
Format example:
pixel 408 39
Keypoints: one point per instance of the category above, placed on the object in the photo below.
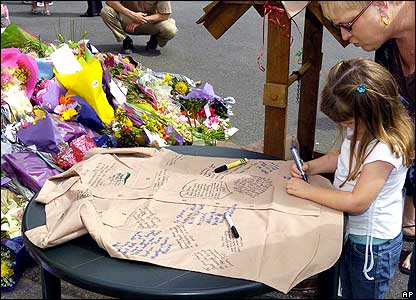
pixel 221 15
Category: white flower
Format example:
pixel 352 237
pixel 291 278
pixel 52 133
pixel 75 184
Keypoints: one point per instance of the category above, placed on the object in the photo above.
pixel 16 97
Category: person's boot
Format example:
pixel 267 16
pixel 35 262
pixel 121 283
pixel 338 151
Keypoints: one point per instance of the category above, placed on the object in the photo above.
pixel 152 43
pixel 127 45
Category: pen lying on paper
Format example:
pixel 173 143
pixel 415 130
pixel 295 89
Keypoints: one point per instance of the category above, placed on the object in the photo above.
pixel 226 167
pixel 232 226
pixel 298 162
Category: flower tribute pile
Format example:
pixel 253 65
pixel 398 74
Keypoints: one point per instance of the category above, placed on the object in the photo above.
pixel 61 99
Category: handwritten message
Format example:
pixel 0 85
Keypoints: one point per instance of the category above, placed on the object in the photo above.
pixel 108 173
pixel 182 237
pixel 143 217
pixel 204 189
pixel 211 260
pixel 161 178
pixel 230 243
pixel 150 244
pixel 252 186
pixel 172 161
pixel 209 173
pixel 200 214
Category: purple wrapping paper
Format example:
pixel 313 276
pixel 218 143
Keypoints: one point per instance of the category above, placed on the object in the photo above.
pixel 45 135
pixel 70 130
pixel 207 93
pixel 48 133
pixel 30 170
pixel 49 97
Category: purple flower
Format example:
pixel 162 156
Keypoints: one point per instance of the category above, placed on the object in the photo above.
pixel 177 136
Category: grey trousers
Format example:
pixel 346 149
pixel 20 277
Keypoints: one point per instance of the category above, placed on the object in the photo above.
pixel 164 31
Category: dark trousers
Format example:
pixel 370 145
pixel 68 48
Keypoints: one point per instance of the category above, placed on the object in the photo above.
pixel 94 7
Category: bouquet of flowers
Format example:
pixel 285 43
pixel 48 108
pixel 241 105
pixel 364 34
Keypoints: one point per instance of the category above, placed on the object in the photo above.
pixel 19 74
pixel 12 207
pixel 8 263
pixel 124 131
pixel 14 36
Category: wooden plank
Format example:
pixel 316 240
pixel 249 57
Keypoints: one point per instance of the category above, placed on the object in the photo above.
pixel 295 75
pixel 222 17
pixel 210 6
pixel 260 9
pixel 207 10
pixel 316 9
pixel 278 53
pixel 275 95
pixel 312 46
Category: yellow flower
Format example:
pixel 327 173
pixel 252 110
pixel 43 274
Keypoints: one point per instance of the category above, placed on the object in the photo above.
pixel 117 134
pixel 167 77
pixel 22 74
pixel 181 87
pixel 68 114
pixel 5 270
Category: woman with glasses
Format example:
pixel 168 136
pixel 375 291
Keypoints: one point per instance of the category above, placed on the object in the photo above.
pixel 388 27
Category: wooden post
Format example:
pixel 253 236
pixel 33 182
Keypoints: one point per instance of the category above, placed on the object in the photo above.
pixel 275 88
pixel 312 47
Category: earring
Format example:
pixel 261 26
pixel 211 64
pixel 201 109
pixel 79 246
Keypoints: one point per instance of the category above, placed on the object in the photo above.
pixel 385 20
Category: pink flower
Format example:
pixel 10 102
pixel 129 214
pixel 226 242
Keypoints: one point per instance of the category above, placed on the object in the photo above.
pixel 59 109
pixel 5 77
pixel 12 57
pixel 109 62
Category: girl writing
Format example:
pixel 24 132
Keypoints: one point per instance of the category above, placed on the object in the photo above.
pixel 370 169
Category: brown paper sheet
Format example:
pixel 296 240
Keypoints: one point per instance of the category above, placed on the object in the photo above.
pixel 166 208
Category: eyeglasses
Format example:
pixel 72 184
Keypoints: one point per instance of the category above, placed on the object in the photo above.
pixel 348 26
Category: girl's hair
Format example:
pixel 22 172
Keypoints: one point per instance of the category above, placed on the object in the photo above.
pixel 363 91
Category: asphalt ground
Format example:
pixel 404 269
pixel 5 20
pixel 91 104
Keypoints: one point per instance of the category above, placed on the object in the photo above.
pixel 228 64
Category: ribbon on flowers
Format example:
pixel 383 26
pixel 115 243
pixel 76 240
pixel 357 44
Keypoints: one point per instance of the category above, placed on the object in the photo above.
pixel 272 12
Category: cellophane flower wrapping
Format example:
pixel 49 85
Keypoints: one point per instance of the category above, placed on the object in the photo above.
pixel 28 168
pixel 74 152
pixel 87 84
pixel 14 260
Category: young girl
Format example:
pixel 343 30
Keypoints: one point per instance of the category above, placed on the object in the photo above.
pixel 370 171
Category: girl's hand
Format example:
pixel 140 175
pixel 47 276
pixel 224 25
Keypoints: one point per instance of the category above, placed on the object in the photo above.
pixel 297 187
pixel 295 172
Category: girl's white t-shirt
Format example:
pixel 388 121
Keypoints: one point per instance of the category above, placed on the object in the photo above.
pixel 383 219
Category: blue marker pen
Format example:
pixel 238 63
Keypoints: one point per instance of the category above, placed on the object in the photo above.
pixel 298 162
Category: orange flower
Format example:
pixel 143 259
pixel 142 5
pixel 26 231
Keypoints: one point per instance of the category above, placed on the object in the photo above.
pixel 65 100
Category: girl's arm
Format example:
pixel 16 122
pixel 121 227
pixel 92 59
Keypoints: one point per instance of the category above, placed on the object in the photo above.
pixel 324 164
pixel 369 184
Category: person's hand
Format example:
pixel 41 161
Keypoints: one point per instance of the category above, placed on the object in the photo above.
pixel 294 171
pixel 139 18
pixel 297 187
pixel 131 27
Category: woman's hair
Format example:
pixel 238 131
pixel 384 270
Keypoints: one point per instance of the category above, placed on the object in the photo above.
pixel 363 91
pixel 332 8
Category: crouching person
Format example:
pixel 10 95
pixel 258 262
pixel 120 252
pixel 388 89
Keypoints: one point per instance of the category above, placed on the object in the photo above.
pixel 152 18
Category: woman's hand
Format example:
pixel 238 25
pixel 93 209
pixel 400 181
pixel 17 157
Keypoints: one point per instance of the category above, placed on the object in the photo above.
pixel 294 171
pixel 297 187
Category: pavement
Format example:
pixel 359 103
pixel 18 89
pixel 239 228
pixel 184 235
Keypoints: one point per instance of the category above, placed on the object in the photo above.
pixel 228 64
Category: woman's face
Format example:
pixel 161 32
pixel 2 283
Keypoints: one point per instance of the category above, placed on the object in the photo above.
pixel 368 32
